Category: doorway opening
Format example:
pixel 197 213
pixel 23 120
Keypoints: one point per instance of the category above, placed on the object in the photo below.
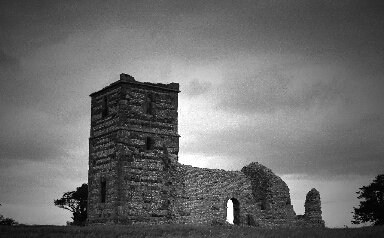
pixel 233 211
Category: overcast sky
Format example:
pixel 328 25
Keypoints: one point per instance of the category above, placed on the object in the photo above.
pixel 297 86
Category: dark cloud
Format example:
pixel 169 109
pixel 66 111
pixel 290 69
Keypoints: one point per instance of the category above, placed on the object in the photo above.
pixel 29 134
pixel 193 30
pixel 33 24
pixel 8 62
pixel 342 149
pixel 35 115
pixel 16 87
pixel 268 92
pixel 315 28
pixel 204 29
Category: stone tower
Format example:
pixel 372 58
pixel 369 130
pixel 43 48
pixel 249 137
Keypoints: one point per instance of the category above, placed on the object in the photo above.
pixel 134 125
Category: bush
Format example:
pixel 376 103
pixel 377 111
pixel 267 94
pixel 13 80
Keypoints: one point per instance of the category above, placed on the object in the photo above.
pixel 7 221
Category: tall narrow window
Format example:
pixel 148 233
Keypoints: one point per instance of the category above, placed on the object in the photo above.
pixel 149 106
pixel 233 211
pixel 105 111
pixel 149 143
pixel 103 190
pixel 230 211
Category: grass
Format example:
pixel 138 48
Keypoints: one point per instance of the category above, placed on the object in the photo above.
pixel 182 231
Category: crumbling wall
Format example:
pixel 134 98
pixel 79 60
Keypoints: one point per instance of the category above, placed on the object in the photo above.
pixel 208 191
pixel 262 196
pixel 312 207
pixel 271 195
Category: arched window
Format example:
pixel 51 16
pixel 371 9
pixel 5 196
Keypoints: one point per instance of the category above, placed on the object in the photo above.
pixel 233 211
pixel 230 211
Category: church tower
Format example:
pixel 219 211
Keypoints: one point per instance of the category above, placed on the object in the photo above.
pixel 134 125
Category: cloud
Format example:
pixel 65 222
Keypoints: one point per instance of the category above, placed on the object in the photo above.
pixel 29 134
pixel 17 87
pixel 39 109
pixel 273 88
pixel 7 61
pixel 316 119
pixel 233 150
pixel 325 151
pixel 196 87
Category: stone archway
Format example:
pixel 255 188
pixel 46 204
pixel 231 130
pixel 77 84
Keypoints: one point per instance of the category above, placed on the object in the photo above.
pixel 233 211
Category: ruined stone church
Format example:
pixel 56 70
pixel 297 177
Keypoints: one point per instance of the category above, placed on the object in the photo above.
pixel 134 175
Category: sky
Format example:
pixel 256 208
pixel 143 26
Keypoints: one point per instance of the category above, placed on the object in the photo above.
pixel 297 86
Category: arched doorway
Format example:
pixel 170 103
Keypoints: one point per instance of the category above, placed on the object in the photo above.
pixel 233 211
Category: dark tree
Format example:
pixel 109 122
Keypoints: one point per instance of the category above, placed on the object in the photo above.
pixel 372 207
pixel 6 221
pixel 76 202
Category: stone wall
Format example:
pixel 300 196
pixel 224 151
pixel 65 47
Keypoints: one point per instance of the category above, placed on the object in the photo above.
pixel 208 191
pixel 312 207
pixel 102 157
pixel 271 194
pixel 130 124
pixel 134 175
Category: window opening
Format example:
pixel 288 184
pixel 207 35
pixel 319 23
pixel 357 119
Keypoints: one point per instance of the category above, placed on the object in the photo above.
pixel 233 211
pixel 149 143
pixel 103 190
pixel 149 105
pixel 230 211
pixel 264 205
pixel 105 111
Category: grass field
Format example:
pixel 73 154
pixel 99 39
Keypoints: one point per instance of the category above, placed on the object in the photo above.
pixel 182 231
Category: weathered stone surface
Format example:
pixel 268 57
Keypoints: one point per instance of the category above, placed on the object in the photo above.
pixel 271 194
pixel 312 207
pixel 134 175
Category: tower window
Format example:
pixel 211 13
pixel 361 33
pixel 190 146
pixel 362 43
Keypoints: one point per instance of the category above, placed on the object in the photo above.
pixel 264 205
pixel 149 105
pixel 150 108
pixel 103 190
pixel 105 110
pixel 149 143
